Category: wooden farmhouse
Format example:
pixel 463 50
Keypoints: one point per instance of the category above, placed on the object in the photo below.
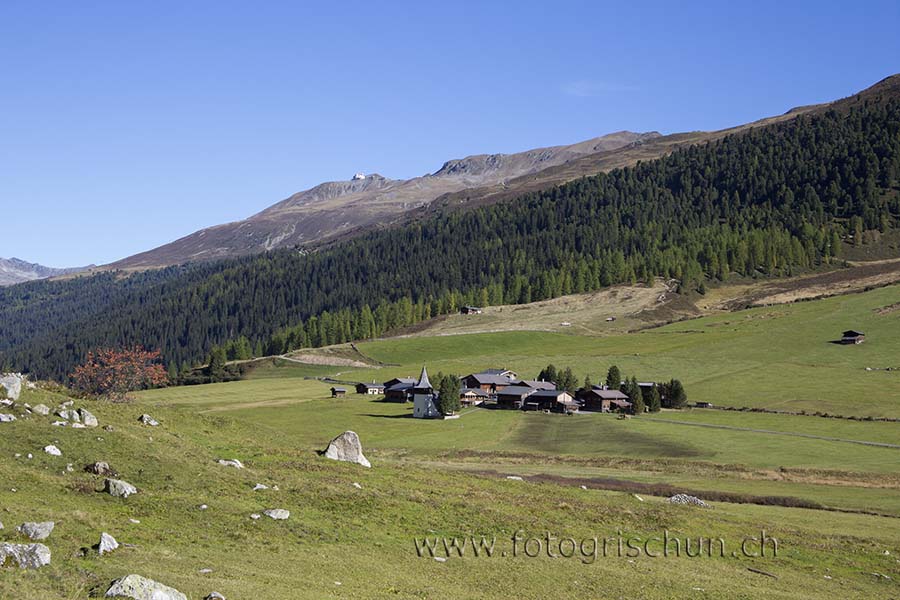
pixel 853 337
pixel 338 392
pixel 370 389
pixel 602 399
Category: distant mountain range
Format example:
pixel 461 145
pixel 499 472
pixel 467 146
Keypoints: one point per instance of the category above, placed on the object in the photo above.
pixel 334 209
pixel 14 270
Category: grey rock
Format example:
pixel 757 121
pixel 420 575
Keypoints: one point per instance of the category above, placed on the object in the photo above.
pixel 12 382
pixel 101 468
pixel 52 450
pixel 231 462
pixel 59 423
pixel 279 514
pixel 685 499
pixel 260 486
pixel 347 447
pixel 118 488
pixel 78 425
pixel 5 418
pixel 41 409
pixel 26 556
pixel 141 588
pixel 107 544
pixel 214 596
pixel 255 516
pixel 36 531
pixel 146 419
pixel 87 418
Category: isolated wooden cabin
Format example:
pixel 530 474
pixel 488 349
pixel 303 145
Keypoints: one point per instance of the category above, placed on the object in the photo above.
pixel 370 389
pixel 853 337
pixel 338 392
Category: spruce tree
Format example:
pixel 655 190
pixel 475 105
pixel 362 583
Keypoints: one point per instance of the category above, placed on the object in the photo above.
pixel 448 395
pixel 613 378
pixel 655 402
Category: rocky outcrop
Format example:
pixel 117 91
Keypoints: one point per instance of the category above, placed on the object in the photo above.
pixel 41 409
pixel 347 447
pixel 26 556
pixel 118 488
pixel 87 418
pixel 685 499
pixel 36 531
pixel 141 588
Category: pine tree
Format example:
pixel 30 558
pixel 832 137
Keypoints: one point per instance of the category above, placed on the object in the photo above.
pixel 613 378
pixel 635 395
pixel 676 396
pixel 655 402
pixel 448 395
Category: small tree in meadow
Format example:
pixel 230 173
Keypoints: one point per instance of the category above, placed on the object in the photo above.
pixel 613 378
pixel 111 373
pixel 448 395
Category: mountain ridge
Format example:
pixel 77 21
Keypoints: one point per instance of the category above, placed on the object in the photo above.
pixel 15 270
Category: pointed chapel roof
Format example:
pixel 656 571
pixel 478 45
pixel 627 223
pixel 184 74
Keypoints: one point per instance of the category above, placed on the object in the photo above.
pixel 423 380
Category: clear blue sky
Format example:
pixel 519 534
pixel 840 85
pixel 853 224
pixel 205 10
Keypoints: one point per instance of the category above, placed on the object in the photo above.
pixel 124 125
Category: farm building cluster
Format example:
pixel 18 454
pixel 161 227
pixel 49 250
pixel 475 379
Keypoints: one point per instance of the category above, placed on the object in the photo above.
pixel 498 388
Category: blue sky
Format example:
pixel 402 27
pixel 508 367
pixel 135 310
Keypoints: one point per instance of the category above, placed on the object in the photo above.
pixel 125 125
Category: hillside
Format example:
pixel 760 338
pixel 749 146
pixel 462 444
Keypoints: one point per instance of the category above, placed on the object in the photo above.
pixel 14 270
pixel 774 201
pixel 332 209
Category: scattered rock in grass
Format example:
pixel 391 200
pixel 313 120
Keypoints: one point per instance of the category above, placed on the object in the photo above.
pixel 638 498
pixel 67 404
pixel 29 456
pixel 231 462
pixel 514 478
pixel 146 419
pixel 203 507
pixel 87 418
pixel 279 514
pixel 584 487
pixel 41 409
pixel 260 486
pixel 440 559
pixel 26 556
pixel 214 596
pixel 347 447
pixel 108 428
pixel 70 467
pixel 205 571
pixel 255 516
pixel 78 425
pixel 141 588
pixel 6 418
pixel 13 384
pixel 101 468
pixel 135 521
pixel 59 423
pixel 52 450
pixel 118 488
pixel 36 531
pixel 107 544
pixel 685 499
pixel 357 486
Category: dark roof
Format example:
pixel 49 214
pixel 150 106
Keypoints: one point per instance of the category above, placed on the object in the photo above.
pixel 337 389
pixel 516 390
pixel 493 372
pixel 396 380
pixel 372 385
pixel 399 387
pixel 852 333
pixel 538 385
pixel 548 394
pixel 609 394
pixel 490 379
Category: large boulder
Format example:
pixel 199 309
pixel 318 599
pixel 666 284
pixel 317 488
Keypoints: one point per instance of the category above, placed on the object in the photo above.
pixel 347 447
pixel 41 409
pixel 12 382
pixel 87 418
pixel 36 531
pixel 686 499
pixel 118 488
pixel 26 556
pixel 141 588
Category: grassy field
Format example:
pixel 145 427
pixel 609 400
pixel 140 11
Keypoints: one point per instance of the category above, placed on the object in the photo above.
pixel 337 532
pixel 448 478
